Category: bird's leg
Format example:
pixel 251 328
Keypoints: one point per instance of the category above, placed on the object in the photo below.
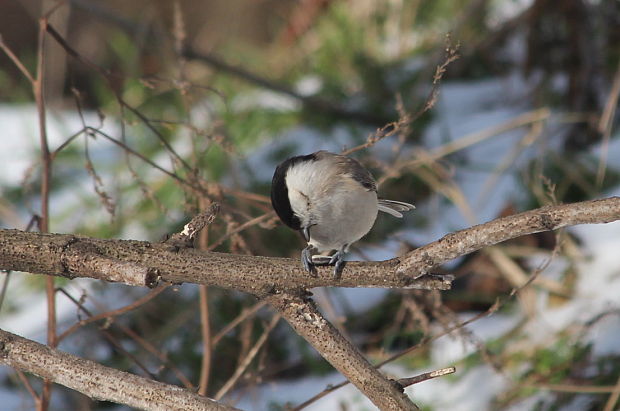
pixel 306 259
pixel 310 261
pixel 337 260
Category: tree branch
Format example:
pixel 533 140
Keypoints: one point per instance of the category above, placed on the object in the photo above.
pixel 418 262
pixel 275 279
pixel 303 316
pixel 143 263
pixel 97 381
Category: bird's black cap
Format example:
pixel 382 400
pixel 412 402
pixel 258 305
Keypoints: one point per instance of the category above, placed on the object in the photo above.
pixel 279 191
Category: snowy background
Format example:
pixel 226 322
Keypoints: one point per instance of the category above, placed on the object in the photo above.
pixel 486 173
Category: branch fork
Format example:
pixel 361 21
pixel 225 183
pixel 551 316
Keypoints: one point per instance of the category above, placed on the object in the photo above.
pixel 280 282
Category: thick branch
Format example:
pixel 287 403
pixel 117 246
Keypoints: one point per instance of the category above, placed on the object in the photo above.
pixel 308 322
pixel 73 256
pixel 143 263
pixel 418 262
pixel 97 381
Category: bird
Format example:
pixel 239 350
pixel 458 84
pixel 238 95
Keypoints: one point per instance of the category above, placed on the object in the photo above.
pixel 332 200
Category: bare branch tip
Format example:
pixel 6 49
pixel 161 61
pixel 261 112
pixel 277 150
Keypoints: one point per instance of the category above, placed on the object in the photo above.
pixel 185 238
pixel 405 382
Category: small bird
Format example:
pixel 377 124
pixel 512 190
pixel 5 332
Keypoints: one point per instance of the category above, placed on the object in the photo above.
pixel 332 200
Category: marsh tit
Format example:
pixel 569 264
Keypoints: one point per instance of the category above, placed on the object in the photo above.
pixel 332 200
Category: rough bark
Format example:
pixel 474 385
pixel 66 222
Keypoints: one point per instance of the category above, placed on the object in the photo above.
pixel 276 279
pixel 303 316
pixel 423 259
pixel 143 263
pixel 97 381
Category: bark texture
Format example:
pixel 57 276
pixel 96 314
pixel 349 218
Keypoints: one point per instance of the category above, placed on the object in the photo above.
pixel 280 281
pixel 97 381
pixel 418 262
pixel 303 316
pixel 144 264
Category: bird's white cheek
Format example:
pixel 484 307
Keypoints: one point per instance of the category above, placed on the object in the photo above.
pixel 299 204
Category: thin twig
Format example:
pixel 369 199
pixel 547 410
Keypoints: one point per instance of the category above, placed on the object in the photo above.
pixel 571 388
pixel 451 54
pixel 248 359
pixel 16 61
pixel 108 315
pixel 140 341
pixel 109 78
pixel 605 124
pixel 190 230
pixel 242 227
pixel 405 382
pixel 244 315
pixel 157 353
pixel 135 153
pixel 531 117
pixel 207 350
pixel 46 160
pixel 108 336
pixel 193 186
pixel 31 391
pixel 610 405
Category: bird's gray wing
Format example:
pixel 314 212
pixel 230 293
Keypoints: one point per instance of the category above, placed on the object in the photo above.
pixel 351 167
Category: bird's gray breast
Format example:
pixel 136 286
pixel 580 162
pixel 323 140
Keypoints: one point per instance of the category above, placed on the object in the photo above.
pixel 345 216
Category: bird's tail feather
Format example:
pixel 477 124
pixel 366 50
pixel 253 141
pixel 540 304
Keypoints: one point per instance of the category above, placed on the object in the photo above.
pixel 394 208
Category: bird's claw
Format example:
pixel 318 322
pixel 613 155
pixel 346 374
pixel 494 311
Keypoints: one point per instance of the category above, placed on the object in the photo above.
pixel 310 261
pixel 306 260
pixel 338 261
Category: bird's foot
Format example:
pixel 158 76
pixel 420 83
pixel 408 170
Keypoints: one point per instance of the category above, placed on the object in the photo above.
pixel 311 261
pixel 338 261
pixel 307 260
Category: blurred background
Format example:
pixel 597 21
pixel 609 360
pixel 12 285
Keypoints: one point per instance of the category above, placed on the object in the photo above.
pixel 471 110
